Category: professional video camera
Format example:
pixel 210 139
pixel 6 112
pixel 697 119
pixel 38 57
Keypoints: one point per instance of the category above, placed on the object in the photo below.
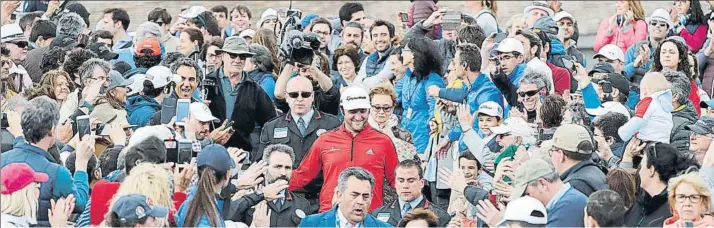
pixel 299 47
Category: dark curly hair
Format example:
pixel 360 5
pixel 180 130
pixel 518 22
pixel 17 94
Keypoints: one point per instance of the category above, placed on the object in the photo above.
pixel 52 59
pixel 349 51
pixel 551 112
pixel 427 58
pixel 46 87
pixel 472 34
pixel 74 59
pixel 172 57
pixel 683 64
pixel 147 61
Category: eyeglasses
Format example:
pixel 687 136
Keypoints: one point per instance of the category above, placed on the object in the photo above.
pixel 528 93
pixel 382 108
pixel 692 198
pixel 234 56
pixel 658 23
pixel 294 95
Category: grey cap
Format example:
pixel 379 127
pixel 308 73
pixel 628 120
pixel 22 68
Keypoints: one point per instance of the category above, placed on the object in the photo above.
pixel 236 45
pixel 546 24
pixel 703 126
pixel 118 80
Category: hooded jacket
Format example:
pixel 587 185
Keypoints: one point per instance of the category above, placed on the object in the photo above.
pixel 586 177
pixel 265 80
pixel 648 211
pixel 652 114
pixel 140 109
pixel 681 117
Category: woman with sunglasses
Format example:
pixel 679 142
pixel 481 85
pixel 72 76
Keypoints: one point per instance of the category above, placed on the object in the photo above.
pixel 660 162
pixel 673 55
pixel 689 23
pixel 690 200
pixel 623 29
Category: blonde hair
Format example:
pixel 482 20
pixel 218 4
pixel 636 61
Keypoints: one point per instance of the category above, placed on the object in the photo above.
pixel 654 82
pixel 22 203
pixel 150 180
pixel 636 8
pixel 695 181
pixel 384 89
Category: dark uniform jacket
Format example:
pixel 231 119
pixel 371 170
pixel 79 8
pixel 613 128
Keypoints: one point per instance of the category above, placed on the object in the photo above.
pixel 293 210
pixel 393 212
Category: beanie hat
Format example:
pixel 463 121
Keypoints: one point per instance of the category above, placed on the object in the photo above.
pixel 268 14
pixel 70 25
pixel 307 19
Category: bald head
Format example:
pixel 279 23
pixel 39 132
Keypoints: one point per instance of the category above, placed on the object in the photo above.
pixel 653 82
pixel 299 83
pixel 299 95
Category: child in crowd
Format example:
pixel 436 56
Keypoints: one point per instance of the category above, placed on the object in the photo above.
pixel 652 113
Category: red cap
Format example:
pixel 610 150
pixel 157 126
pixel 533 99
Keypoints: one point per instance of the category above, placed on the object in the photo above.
pixel 151 44
pixel 17 176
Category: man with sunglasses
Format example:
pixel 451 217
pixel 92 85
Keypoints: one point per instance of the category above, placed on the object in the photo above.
pixel 162 18
pixel 299 129
pixel 232 83
pixel 638 57
pixel 14 45
pixel 355 143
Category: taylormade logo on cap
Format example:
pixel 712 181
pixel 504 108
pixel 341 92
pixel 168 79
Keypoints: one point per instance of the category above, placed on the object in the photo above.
pixel 356 98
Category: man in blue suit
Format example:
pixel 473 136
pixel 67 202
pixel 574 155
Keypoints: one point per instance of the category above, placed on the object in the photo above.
pixel 353 195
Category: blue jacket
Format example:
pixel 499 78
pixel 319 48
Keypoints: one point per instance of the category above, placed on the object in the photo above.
pixel 140 109
pixel 183 211
pixel 329 219
pixel 374 64
pixel 60 183
pixel 567 211
pixel 416 102
pixel 631 55
pixel 592 100
pixel 517 74
pixel 265 80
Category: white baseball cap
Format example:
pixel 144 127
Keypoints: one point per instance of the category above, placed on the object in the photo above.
pixel 525 209
pixel 248 32
pixel 610 106
pixel 662 15
pixel 355 97
pixel 11 32
pixel 136 86
pixel 193 12
pixel 201 112
pixel 611 52
pixel 541 5
pixel 491 108
pixel 161 76
pixel 563 14
pixel 516 126
pixel 510 45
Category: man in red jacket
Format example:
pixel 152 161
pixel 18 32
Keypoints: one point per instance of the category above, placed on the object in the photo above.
pixel 354 143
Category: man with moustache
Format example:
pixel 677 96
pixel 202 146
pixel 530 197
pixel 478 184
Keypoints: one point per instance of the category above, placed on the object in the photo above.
pixel 409 182
pixel 354 143
pixel 299 129
pixel 287 211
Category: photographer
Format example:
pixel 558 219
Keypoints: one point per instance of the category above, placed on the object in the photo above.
pixel 300 62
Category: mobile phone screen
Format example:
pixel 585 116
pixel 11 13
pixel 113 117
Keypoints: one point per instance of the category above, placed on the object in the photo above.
pixel 184 152
pixel 182 108
pixel 83 127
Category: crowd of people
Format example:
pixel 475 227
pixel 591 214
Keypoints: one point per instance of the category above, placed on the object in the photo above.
pixel 437 118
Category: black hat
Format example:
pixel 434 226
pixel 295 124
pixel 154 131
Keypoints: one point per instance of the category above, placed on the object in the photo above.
pixel 65 43
pixel 618 81
pixel 602 67
pixel 102 51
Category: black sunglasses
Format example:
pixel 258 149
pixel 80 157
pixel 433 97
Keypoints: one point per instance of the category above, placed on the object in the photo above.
pixel 528 93
pixel 234 56
pixel 661 24
pixel 384 108
pixel 20 44
pixel 301 94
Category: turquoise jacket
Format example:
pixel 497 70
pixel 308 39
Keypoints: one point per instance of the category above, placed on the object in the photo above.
pixel 418 106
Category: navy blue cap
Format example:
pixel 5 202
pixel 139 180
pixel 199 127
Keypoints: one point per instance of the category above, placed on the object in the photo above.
pixel 602 67
pixel 134 207
pixel 703 126
pixel 217 157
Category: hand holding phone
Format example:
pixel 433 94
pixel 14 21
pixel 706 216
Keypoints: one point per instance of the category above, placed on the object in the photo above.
pixel 83 126
pixel 182 111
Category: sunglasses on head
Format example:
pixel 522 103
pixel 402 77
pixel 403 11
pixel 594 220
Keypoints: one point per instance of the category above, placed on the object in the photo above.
pixel 234 56
pixel 301 94
pixel 528 93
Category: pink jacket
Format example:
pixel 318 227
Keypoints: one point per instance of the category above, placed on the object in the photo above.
pixel 623 37
pixel 695 41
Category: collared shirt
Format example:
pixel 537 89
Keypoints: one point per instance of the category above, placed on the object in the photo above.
pixel 121 43
pixel 307 117
pixel 230 93
pixel 343 222
pixel 281 199
pixel 557 196
pixel 414 203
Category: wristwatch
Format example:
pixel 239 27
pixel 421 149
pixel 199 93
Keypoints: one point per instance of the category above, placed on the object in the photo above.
pixel 86 104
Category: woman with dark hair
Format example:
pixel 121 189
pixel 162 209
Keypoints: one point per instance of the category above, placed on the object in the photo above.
pixel 260 67
pixel 345 60
pixel 206 23
pixel 419 217
pixel 423 63
pixel 209 55
pixel 268 39
pixel 551 115
pixel 623 183
pixel 673 55
pixel 190 42
pixel 690 23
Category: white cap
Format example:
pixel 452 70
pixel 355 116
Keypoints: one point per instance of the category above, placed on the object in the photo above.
pixel 248 32
pixel 136 86
pixel 268 14
pixel 193 12
pixel 201 112
pixel 563 14
pixel 541 5
pixel 611 52
pixel 11 32
pixel 525 209
pixel 161 76
pixel 662 15
pixel 510 45
pixel 516 126
pixel 610 106
pixel 355 97
pixel 491 108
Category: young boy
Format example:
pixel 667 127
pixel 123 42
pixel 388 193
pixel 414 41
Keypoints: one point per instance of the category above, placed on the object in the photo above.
pixel 490 114
pixel 653 118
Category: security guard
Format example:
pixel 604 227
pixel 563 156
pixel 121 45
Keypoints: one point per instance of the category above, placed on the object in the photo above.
pixel 285 212
pixel 409 182
pixel 299 129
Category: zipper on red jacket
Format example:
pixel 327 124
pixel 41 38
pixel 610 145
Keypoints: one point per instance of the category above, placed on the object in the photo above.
pixel 352 149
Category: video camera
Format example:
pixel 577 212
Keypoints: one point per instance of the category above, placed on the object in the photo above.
pixel 299 47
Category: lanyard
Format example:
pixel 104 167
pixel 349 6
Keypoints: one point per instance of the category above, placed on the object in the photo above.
pixel 411 95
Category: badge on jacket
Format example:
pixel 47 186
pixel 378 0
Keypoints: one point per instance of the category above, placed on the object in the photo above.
pixel 320 132
pixel 384 217
pixel 300 213
pixel 280 132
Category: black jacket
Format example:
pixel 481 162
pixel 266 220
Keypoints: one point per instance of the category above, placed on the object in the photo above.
pixel 679 138
pixel 648 211
pixel 327 102
pixel 586 177
pixel 293 210
pixel 252 106
pixel 394 211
